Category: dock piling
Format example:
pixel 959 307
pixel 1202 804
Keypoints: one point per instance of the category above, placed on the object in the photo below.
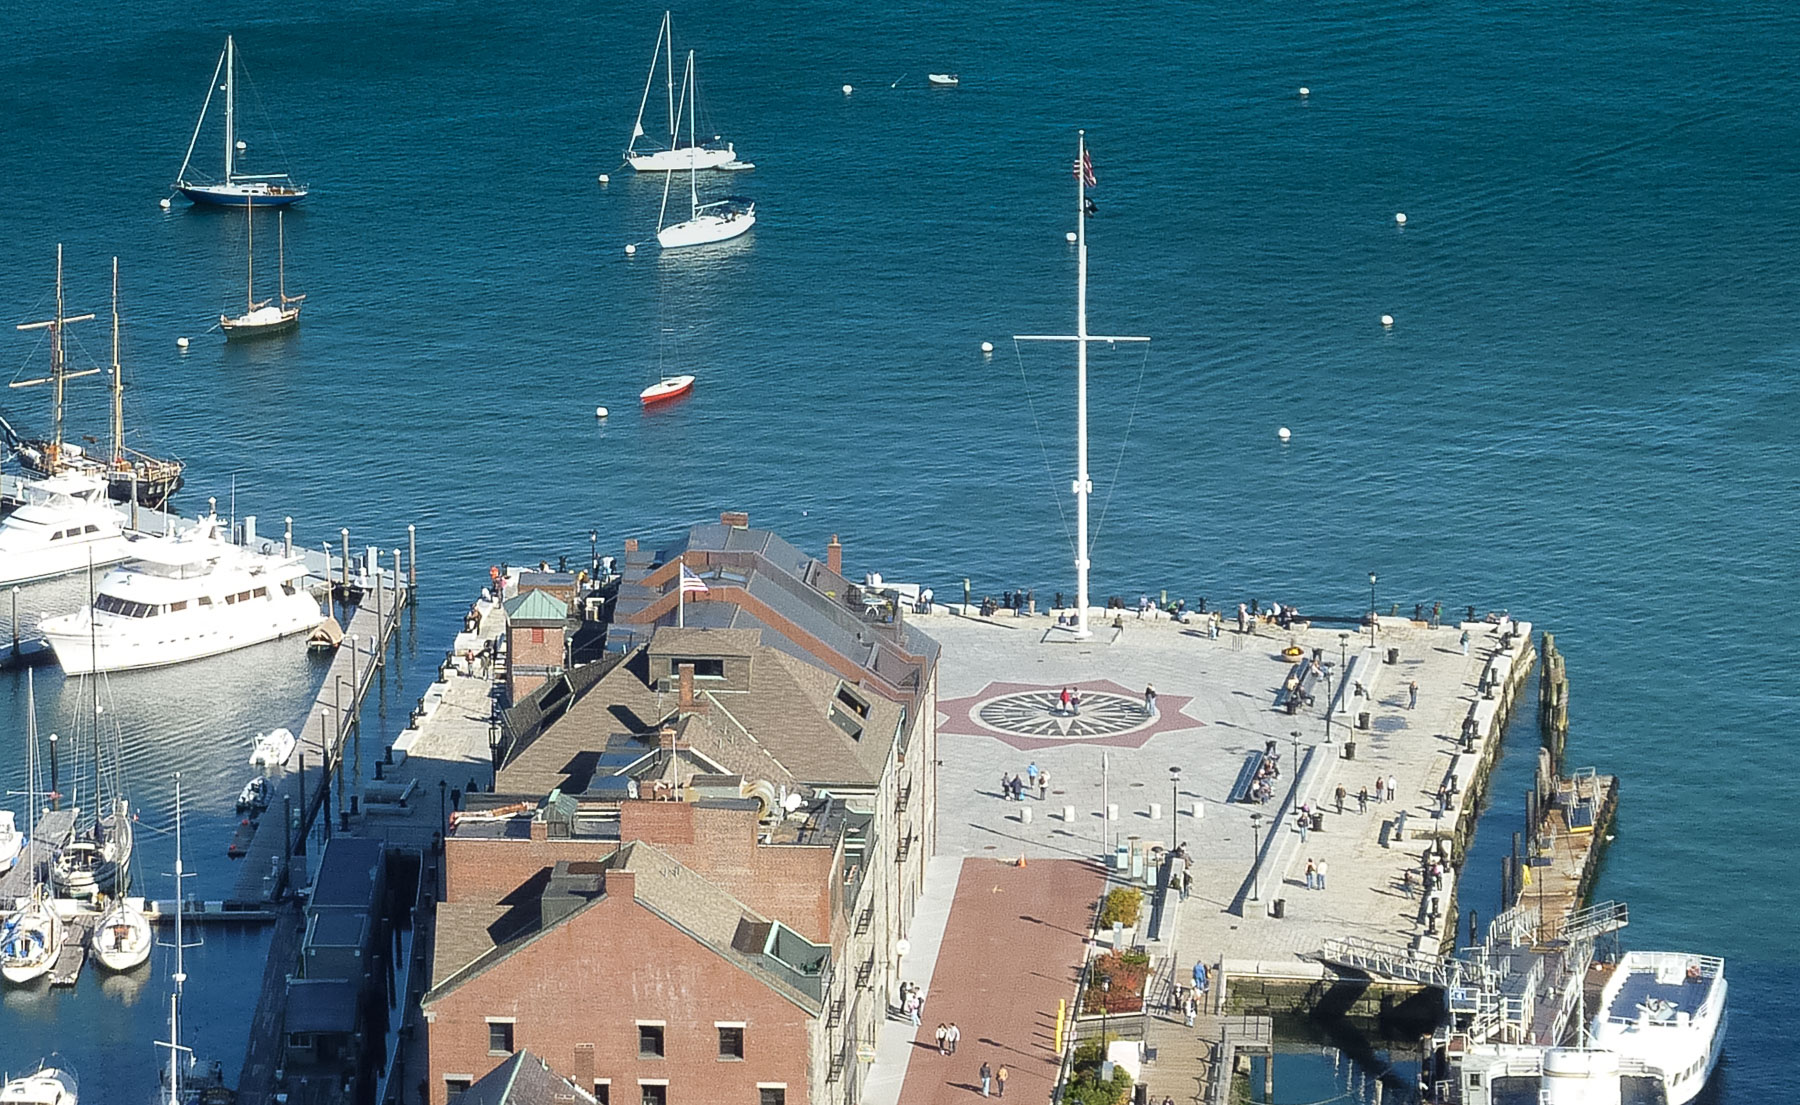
pixel 345 533
pixel 412 558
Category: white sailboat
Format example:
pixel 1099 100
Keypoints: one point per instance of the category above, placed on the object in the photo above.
pixel 265 318
pixel 715 154
pixel 181 1059
pixel 12 841
pixel 716 221
pixel 32 937
pixel 261 189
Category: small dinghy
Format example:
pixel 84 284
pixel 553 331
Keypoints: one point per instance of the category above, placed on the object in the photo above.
pixel 669 387
pixel 272 749
pixel 329 635
pixel 737 166
pixel 944 80
pixel 254 798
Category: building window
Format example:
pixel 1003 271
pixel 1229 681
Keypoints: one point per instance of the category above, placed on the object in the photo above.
pixel 537 636
pixel 771 1095
pixel 500 1038
pixel 703 668
pixel 650 1042
pixel 455 1087
pixel 603 1093
pixel 657 1094
pixel 731 1042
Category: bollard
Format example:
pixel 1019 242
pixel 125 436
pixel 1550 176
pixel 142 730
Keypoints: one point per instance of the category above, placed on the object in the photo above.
pixel 1156 811
pixel 1025 815
pixel 1068 813
pixel 1199 809
pixel 1112 811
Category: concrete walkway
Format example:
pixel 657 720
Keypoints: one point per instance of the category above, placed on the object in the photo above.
pixel 894 1042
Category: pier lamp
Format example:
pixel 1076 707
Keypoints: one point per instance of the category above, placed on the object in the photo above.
pixel 594 553
pixel 1294 739
pixel 1371 609
pixel 1255 847
pixel 1329 697
pixel 1105 1002
pixel 1174 803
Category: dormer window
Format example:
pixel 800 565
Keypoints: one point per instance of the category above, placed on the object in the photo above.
pixel 703 668
pixel 852 701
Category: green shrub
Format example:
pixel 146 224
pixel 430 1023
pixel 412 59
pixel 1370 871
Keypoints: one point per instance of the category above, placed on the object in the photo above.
pixel 1085 1087
pixel 1122 906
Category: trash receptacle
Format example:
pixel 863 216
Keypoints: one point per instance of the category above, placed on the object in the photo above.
pixel 1318 821
pixel 1140 1093
pixel 1349 750
pixel 1393 656
pixel 1278 908
pixel 1362 720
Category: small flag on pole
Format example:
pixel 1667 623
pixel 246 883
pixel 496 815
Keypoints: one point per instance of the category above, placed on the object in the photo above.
pixel 1084 169
pixel 692 584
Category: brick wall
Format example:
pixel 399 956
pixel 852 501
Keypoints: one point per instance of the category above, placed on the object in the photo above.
pixel 584 985
pixel 485 871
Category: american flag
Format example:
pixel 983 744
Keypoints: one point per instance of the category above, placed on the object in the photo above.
pixel 1084 169
pixel 691 583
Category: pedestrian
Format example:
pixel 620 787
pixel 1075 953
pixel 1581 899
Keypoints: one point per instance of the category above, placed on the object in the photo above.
pixel 1312 874
pixel 1187 883
pixel 1380 789
pixel 1244 618
pixel 1075 703
pixel 1043 786
pixel 1199 977
pixel 1189 1010
pixel 1000 1078
pixel 1393 788
pixel 913 1005
pixel 987 1079
pixel 1150 701
pixel 1412 693
pixel 1064 698
pixel 1406 883
pixel 1464 641
pixel 1362 800
pixel 1437 614
pixel 1031 774
pixel 952 1038
pixel 942 1033
pixel 1305 824
pixel 1006 786
pixel 1324 869
pixel 1341 794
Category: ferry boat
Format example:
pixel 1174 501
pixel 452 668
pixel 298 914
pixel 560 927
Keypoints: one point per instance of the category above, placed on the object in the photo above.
pixel 45 1086
pixel 1665 1010
pixel 64 526
pixel 183 598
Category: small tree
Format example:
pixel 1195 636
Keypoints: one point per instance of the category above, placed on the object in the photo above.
pixel 1126 971
pixel 1085 1086
pixel 1121 906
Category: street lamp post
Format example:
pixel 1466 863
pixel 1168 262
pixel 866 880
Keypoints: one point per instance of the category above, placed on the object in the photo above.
pixel 1105 1001
pixel 1294 739
pixel 1371 609
pixel 1329 698
pixel 1255 847
pixel 1174 802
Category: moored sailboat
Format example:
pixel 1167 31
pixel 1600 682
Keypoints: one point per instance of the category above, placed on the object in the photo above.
pixel 234 187
pixel 267 318
pixel 32 937
pixel 715 221
pixel 716 154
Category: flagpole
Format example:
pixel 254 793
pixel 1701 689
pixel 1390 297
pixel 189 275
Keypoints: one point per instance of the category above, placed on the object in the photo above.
pixel 681 592
pixel 1082 484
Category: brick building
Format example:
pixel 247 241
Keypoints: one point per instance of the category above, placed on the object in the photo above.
pixel 694 876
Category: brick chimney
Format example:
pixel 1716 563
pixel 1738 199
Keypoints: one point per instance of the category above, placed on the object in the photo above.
pixel 665 738
pixel 686 705
pixel 631 545
pixel 736 518
pixel 834 556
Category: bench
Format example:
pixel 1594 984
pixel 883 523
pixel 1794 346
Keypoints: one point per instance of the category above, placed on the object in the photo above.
pixel 1244 789
pixel 1297 689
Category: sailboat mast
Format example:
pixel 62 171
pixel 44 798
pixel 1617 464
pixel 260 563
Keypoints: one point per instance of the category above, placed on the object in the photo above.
pixel 1083 486
pixel 249 256
pixel 56 368
pixel 118 379
pixel 281 254
pixel 180 972
pixel 687 93
pixel 230 106
pixel 668 32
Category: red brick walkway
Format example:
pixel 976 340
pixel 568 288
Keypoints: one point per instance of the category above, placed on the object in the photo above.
pixel 1012 947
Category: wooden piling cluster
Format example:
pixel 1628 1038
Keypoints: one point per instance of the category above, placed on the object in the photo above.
pixel 1553 703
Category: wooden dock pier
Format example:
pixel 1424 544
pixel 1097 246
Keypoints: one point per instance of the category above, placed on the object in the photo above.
pixel 78 933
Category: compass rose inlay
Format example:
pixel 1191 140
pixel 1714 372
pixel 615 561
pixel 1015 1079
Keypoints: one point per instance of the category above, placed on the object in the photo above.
pixel 1029 716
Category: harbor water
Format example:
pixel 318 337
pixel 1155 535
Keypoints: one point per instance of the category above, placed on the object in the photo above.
pixel 1582 412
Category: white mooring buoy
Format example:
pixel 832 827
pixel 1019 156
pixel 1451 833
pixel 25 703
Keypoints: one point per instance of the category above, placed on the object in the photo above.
pixel 987 347
pixel 163 203
pixel 630 250
pixel 1387 320
pixel 1400 218
pixel 181 343
pixel 1283 433
pixel 848 90
pixel 601 412
pixel 1070 237
pixel 1305 91
pixel 241 146
pixel 604 179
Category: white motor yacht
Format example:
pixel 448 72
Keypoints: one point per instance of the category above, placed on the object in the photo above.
pixel 1667 1011
pixel 272 748
pixel 46 1086
pixel 184 597
pixel 12 841
pixel 64 525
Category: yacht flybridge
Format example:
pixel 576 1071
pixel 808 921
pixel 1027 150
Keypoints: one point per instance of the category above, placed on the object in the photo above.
pixel 182 598
pixel 64 526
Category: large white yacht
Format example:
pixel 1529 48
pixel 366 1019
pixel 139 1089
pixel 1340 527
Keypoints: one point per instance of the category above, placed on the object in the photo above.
pixel 183 597
pixel 45 1086
pixel 1667 1011
pixel 64 525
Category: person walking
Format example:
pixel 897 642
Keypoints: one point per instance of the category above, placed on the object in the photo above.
pixel 1412 694
pixel 1380 789
pixel 1362 800
pixel 1464 641
pixel 1064 698
pixel 942 1033
pixel 1393 788
pixel 1312 874
pixel 1000 1078
pixel 1324 868
pixel 1341 795
pixel 1150 701
pixel 952 1038
pixel 987 1079
pixel 1406 883
pixel 1031 774
pixel 1043 786
pixel 1305 824
pixel 1189 1009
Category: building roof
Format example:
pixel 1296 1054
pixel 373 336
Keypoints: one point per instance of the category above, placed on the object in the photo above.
pixel 524 1079
pixel 348 873
pixel 321 1005
pixel 536 608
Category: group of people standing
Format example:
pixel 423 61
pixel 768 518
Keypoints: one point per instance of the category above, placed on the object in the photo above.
pixel 1013 788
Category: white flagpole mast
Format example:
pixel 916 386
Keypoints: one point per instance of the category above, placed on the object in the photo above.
pixel 680 592
pixel 1083 486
